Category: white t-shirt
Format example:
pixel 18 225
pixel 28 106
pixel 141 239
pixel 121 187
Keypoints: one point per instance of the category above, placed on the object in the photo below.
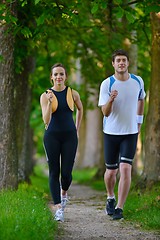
pixel 123 117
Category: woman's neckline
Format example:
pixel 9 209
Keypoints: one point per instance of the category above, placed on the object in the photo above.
pixel 56 90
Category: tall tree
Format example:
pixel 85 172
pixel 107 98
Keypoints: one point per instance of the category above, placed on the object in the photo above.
pixel 16 154
pixel 24 66
pixel 8 148
pixel 152 135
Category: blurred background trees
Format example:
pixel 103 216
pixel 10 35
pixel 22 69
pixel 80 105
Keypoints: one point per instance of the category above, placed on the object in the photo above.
pixel 82 35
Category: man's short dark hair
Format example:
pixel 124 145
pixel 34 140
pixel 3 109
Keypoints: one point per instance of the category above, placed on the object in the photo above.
pixel 119 52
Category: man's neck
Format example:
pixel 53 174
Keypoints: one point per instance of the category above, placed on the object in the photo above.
pixel 122 76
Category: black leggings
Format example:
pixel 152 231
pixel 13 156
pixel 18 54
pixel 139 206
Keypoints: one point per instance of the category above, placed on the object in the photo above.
pixel 60 150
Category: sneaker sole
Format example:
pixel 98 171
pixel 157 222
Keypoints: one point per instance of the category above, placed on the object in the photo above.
pixel 109 214
pixel 119 219
pixel 59 220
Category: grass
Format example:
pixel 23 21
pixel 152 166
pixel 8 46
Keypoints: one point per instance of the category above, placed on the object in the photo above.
pixel 141 208
pixel 24 213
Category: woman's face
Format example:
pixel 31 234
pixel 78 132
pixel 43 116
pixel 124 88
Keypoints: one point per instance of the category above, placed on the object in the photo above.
pixel 58 76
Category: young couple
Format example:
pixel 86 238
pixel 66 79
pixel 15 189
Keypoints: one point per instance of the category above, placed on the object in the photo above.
pixel 121 100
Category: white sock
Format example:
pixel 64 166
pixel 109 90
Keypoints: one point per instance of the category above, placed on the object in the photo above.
pixel 111 197
pixel 64 196
pixel 118 207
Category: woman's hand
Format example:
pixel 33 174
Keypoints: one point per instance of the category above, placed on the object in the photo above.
pixel 49 95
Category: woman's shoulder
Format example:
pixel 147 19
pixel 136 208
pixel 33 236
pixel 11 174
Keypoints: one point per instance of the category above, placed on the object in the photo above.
pixel 43 96
pixel 75 92
pixel 72 90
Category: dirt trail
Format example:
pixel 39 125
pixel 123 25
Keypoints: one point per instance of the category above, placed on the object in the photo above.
pixel 85 219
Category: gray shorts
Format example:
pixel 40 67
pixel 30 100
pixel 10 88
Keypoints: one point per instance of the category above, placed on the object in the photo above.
pixel 119 149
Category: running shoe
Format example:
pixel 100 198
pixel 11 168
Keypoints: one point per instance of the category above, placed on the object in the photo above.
pixel 59 215
pixel 110 206
pixel 118 214
pixel 64 201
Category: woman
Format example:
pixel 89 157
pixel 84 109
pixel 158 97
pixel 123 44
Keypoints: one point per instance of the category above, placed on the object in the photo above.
pixel 60 138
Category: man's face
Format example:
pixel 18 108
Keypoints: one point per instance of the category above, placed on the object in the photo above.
pixel 120 64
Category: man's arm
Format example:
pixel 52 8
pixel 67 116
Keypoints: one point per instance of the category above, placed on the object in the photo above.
pixel 140 111
pixel 107 108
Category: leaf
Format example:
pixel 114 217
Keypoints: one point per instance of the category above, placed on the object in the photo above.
pixel 94 8
pixel 23 3
pixel 129 17
pixel 36 2
pixel 13 19
pixel 41 19
pixel 1 58
pixel 26 32
pixel 104 5
pixel 119 1
pixel 120 13
pixel 154 8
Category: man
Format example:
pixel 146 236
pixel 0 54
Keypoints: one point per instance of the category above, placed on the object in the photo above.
pixel 121 99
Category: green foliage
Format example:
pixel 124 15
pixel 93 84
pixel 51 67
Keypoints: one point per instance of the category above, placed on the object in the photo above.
pixel 120 12
pixel 26 32
pixel 37 124
pixel 152 8
pixel 89 31
pixel 143 208
pixel 39 179
pixel 1 58
pixel 84 175
pixel 23 2
pixel 24 213
pixel 94 8
pixel 37 1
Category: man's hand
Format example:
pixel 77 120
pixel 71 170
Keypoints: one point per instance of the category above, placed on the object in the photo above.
pixel 113 95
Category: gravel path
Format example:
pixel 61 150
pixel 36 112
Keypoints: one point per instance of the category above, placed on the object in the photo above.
pixel 85 219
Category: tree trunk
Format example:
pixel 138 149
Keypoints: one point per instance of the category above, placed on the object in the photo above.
pixel 77 77
pixel 22 105
pixel 15 97
pixel 22 94
pixel 93 133
pixel 133 53
pixel 8 154
pixel 152 138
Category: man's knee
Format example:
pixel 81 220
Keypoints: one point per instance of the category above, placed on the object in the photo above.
pixel 110 173
pixel 125 169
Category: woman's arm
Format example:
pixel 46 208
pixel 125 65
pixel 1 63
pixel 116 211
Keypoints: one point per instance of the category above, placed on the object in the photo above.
pixel 46 106
pixel 79 106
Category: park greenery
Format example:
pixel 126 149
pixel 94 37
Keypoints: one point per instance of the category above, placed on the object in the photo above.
pixel 25 213
pixel 82 35
pixel 142 208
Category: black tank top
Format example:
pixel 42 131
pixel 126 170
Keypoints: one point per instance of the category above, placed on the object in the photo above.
pixel 62 118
